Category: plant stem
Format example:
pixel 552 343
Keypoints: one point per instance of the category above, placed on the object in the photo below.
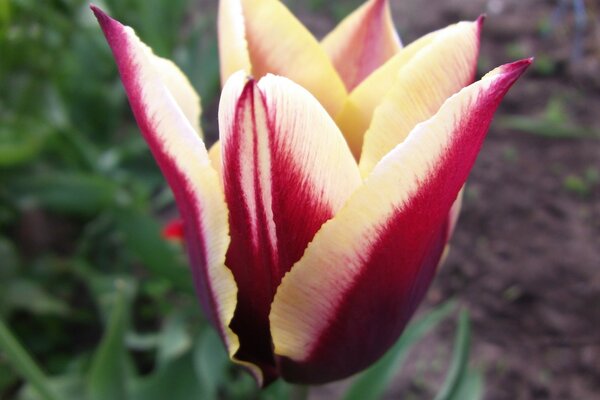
pixel 24 364
pixel 299 392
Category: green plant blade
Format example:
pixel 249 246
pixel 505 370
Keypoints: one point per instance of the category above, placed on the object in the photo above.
pixel 65 193
pixel 471 386
pixel 107 378
pixel 176 381
pixel 24 364
pixel 142 236
pixel 372 383
pixel 460 359
pixel 210 362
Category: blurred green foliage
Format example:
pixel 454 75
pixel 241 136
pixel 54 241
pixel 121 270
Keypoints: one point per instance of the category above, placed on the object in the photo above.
pixel 79 195
pixel 90 288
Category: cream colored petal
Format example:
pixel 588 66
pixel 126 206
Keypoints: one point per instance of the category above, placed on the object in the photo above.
pixel 233 46
pixel 362 42
pixel 421 76
pixel 277 43
pixel 438 71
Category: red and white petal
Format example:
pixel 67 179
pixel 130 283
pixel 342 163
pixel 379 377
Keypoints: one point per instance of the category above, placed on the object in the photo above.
pixel 408 89
pixel 287 170
pixel 362 42
pixel 363 275
pixel 183 159
pixel 277 43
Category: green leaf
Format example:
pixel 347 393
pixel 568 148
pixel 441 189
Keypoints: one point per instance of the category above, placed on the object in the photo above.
pixel 143 238
pixel 279 390
pixel 175 381
pixel 373 382
pixel 460 360
pixel 107 378
pixel 210 362
pixel 471 386
pixel 65 193
pixel 14 352
pixel 31 296
pixel 21 141
pixel 174 340
pixel 10 259
pixel 67 387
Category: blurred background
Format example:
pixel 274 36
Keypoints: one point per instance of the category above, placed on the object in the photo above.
pixel 93 292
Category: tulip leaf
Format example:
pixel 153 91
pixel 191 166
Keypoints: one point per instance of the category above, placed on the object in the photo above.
pixel 65 193
pixel 174 340
pixel 66 387
pixel 142 237
pixel 21 141
pixel 25 294
pixel 470 386
pixel 210 362
pixel 20 359
pixel 278 390
pixel 176 380
pixel 460 359
pixel 372 383
pixel 107 378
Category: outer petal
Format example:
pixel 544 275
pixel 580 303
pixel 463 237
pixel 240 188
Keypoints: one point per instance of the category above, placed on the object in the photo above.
pixel 362 42
pixel 420 78
pixel 349 297
pixel 180 88
pixel 215 159
pixel 277 43
pixel 287 170
pixel 182 157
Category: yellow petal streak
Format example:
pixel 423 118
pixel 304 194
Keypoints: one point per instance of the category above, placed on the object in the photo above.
pixel 428 70
pixel 278 43
pixel 306 300
pixel 233 47
pixel 423 84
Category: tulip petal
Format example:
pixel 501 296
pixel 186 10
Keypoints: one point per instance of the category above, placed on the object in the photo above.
pixel 287 170
pixel 233 46
pixel 277 43
pixel 183 159
pixel 215 159
pixel 418 79
pixel 362 42
pixel 180 88
pixel 361 278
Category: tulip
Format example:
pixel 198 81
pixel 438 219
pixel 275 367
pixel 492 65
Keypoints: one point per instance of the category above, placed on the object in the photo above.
pixel 316 224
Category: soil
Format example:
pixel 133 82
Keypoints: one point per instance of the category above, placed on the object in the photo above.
pixel 525 258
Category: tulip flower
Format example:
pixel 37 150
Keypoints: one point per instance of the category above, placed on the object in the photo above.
pixel 316 224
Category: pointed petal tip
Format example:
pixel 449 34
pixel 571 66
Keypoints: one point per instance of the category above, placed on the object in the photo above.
pixel 105 21
pixel 517 68
pixel 98 13
pixel 479 21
